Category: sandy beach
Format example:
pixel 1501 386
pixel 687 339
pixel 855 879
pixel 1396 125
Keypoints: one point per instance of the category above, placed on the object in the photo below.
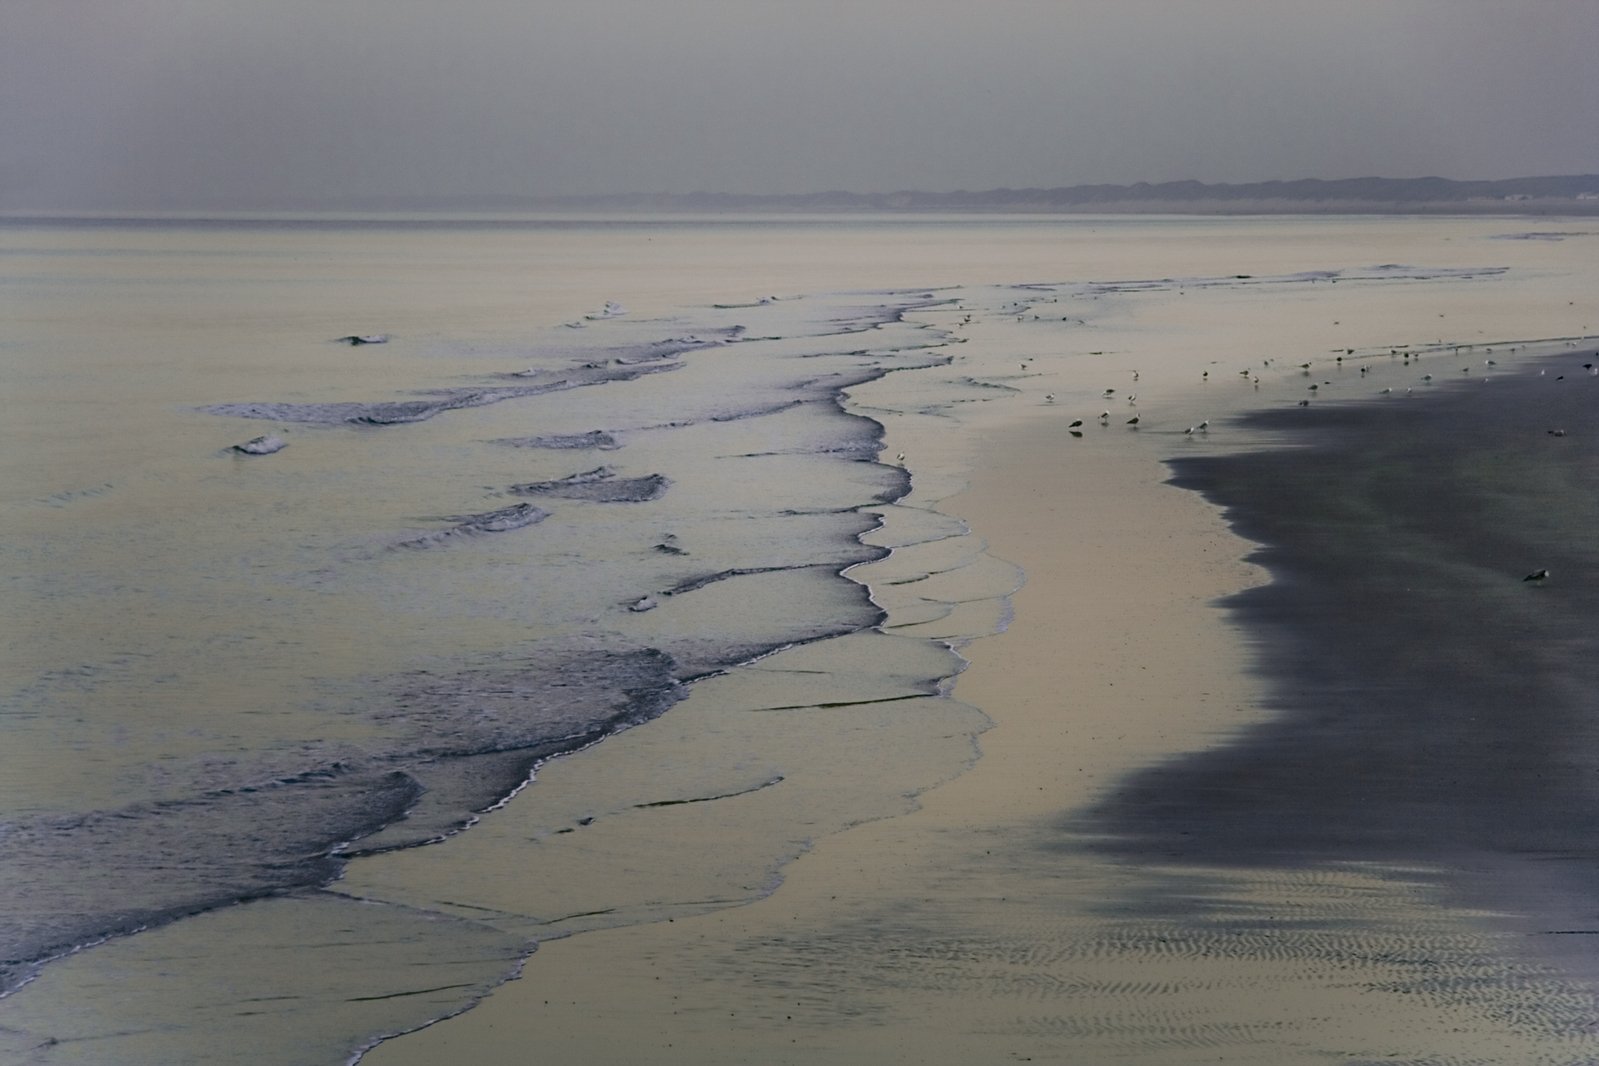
pixel 977 929
pixel 992 923
pixel 1194 721
pixel 709 533
pixel 891 942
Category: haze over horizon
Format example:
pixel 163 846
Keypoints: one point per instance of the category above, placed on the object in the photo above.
pixel 163 104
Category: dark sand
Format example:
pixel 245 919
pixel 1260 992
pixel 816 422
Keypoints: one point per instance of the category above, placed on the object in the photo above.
pixel 1431 705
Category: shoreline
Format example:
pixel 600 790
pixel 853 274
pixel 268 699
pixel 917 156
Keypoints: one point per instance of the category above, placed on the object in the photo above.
pixel 984 922
pixel 1574 194
pixel 990 921
pixel 1113 720
pixel 993 914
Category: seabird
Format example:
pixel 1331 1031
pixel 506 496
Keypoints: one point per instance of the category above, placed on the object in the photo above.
pixel 612 309
pixel 1075 423
pixel 1133 421
pixel 1537 576
pixel 261 446
pixel 1049 397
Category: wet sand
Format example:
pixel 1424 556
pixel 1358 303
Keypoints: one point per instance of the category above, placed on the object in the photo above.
pixel 1101 671
pixel 1027 909
pixel 1061 901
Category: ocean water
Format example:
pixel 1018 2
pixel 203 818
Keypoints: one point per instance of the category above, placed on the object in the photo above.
pixel 528 519
pixel 598 476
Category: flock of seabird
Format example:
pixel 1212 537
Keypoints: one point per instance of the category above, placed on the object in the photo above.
pixel 1537 577
pixel 1314 388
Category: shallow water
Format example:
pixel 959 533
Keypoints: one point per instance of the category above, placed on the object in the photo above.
pixel 232 673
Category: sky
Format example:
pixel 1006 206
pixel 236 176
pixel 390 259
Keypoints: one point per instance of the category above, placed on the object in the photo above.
pixel 147 104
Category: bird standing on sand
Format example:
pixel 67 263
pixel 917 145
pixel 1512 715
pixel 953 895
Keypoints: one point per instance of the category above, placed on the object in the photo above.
pixel 1075 424
pixel 1537 577
pixel 1133 421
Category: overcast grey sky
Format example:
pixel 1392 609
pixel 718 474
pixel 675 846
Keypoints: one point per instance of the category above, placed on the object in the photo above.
pixel 142 103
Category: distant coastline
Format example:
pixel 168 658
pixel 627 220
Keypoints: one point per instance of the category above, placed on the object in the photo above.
pixel 1552 195
pixel 1574 194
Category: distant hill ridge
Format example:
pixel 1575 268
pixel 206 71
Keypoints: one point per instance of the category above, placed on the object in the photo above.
pixel 1559 194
